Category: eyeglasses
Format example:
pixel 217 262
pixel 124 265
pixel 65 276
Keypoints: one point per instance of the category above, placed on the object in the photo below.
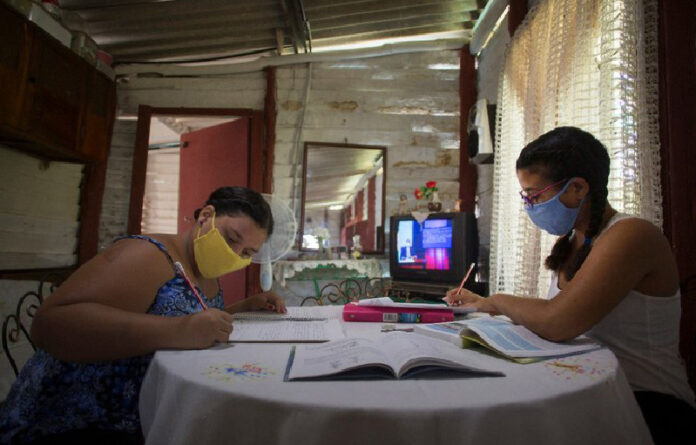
pixel 529 199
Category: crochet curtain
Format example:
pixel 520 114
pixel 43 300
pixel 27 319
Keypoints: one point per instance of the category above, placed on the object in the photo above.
pixel 590 64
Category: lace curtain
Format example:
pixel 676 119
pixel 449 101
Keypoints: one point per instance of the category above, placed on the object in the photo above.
pixel 587 63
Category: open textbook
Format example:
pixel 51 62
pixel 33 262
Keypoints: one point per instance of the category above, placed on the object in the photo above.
pixel 504 338
pixel 394 355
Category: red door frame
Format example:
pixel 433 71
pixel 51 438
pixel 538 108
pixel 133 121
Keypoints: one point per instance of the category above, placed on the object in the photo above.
pixel 258 169
pixel 468 176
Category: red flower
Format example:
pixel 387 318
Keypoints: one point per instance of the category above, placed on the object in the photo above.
pixel 431 184
pixel 418 194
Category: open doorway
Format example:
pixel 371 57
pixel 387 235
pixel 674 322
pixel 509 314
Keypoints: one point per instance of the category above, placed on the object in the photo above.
pixel 181 155
pixel 169 136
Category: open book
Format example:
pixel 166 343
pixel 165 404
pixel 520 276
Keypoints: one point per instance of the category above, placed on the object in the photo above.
pixel 393 355
pixel 504 338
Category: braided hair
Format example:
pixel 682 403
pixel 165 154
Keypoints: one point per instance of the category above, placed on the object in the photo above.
pixel 233 201
pixel 564 153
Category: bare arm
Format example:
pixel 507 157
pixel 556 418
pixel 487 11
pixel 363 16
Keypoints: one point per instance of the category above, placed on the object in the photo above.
pixel 632 256
pixel 99 313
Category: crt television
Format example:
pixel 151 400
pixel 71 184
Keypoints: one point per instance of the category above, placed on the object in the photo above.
pixel 437 250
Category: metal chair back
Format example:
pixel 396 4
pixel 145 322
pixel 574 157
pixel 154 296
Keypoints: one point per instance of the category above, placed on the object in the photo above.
pixel 18 323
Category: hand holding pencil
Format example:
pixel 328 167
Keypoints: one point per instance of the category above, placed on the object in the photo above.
pixel 461 296
pixel 466 277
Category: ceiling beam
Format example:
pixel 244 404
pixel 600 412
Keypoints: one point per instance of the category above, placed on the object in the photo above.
pixel 144 11
pixel 465 33
pixel 228 20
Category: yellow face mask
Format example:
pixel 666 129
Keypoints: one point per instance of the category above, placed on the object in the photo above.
pixel 214 256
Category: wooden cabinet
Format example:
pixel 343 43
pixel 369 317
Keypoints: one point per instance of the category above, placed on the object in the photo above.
pixel 14 57
pixel 97 116
pixel 52 102
pixel 54 95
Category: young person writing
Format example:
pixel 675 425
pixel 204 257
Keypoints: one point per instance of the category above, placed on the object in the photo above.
pixel 96 334
pixel 615 277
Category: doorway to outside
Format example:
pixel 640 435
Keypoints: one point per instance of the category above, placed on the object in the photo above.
pixel 188 157
pixel 181 156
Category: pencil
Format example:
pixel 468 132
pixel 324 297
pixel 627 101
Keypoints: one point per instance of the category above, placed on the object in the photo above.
pixel 466 277
pixel 193 288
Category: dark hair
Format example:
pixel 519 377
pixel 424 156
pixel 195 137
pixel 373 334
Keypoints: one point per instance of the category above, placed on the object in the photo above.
pixel 564 153
pixel 232 201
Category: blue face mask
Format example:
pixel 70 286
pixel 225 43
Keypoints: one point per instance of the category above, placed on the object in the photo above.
pixel 553 216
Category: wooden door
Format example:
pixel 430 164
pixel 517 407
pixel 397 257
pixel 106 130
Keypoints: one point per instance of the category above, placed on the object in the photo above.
pixel 211 158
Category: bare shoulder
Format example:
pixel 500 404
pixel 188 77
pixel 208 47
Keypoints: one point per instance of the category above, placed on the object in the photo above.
pixel 634 245
pixel 126 274
pixel 135 249
pixel 634 233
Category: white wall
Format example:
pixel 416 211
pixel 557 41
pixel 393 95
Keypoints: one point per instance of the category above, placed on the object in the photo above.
pixel 490 62
pixel 114 215
pixel 245 90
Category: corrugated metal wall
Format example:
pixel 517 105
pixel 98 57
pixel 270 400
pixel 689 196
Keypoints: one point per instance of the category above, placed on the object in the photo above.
pixel 114 216
pixel 234 91
pixel 39 211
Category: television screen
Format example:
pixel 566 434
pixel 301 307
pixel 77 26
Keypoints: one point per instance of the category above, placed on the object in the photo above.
pixel 437 250
pixel 427 246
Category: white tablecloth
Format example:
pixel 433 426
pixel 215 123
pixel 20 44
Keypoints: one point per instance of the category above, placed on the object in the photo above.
pixel 236 395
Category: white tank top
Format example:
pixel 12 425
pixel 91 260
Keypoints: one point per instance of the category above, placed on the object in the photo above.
pixel 643 332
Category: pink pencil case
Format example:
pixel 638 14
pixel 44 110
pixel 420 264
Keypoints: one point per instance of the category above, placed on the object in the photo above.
pixel 382 314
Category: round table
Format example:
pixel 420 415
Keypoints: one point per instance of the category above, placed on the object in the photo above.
pixel 236 394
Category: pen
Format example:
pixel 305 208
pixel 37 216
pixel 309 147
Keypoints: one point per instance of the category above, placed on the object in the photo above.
pixel 468 272
pixel 193 288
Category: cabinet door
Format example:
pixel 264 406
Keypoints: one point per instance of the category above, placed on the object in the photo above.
pixel 55 91
pixel 98 116
pixel 14 56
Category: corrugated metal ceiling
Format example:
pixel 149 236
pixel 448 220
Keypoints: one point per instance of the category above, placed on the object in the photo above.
pixel 177 30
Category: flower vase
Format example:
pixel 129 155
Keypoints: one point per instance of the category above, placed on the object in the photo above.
pixel 434 205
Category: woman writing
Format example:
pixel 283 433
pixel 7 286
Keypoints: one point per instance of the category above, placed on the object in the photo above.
pixel 614 277
pixel 96 334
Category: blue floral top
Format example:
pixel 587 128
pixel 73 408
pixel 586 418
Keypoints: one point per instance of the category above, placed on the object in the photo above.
pixel 51 396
